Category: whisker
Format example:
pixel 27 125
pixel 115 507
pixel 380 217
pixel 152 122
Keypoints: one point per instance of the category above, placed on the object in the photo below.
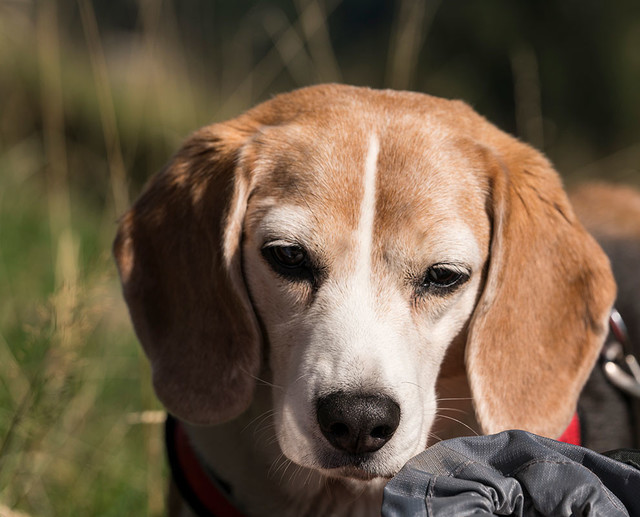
pixel 302 376
pixel 413 384
pixel 463 411
pixel 306 481
pixel 271 467
pixel 327 486
pixel 459 422
pixel 296 472
pixel 265 425
pixel 272 441
pixel 435 436
pixel 261 418
pixel 284 466
pixel 261 381
pixel 276 465
pixel 266 433
pixel 454 398
pixel 266 440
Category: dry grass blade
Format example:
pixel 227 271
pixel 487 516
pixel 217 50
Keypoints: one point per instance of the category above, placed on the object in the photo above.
pixel 55 149
pixel 528 102
pixel 313 20
pixel 409 32
pixel 287 47
pixel 117 171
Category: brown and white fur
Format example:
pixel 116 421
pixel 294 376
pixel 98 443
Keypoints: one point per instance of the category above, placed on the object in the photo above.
pixel 381 192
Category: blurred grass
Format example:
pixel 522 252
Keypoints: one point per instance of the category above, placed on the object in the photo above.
pixel 75 433
pixel 69 367
pixel 71 372
pixel 88 110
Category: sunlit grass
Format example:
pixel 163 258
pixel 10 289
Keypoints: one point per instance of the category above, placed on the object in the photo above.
pixel 81 128
pixel 70 370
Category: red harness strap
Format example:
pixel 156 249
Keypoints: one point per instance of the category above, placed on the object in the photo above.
pixel 572 433
pixel 199 489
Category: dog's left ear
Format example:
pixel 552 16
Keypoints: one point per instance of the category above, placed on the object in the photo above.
pixel 541 319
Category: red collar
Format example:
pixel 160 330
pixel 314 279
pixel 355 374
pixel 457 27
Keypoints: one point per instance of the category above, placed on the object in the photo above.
pixel 572 433
pixel 199 488
pixel 203 492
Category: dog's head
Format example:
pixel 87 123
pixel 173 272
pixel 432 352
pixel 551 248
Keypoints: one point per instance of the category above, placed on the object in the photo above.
pixel 343 240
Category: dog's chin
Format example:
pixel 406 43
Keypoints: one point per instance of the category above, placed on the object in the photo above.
pixel 337 465
pixel 356 467
pixel 355 473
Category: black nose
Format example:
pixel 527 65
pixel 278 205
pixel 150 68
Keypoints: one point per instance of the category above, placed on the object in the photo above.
pixel 357 423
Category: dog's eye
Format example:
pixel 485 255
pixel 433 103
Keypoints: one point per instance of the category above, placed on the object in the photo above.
pixel 289 261
pixel 442 279
pixel 289 256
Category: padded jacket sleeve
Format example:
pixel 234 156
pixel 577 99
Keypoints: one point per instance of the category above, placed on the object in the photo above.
pixel 512 473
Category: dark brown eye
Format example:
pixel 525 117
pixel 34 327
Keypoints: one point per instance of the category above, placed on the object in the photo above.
pixel 290 262
pixel 442 279
pixel 289 256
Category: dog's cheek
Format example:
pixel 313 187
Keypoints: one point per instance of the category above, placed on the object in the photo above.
pixel 278 305
pixel 437 335
pixel 286 338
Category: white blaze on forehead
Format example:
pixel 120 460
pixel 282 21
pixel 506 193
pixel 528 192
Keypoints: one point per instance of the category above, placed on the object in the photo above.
pixel 368 207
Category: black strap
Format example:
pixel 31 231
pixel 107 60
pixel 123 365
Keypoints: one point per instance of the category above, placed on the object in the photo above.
pixel 628 456
pixel 177 473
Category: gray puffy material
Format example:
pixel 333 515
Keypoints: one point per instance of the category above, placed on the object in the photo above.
pixel 512 473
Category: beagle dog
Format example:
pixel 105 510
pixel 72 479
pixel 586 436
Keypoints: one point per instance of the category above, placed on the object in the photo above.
pixel 319 281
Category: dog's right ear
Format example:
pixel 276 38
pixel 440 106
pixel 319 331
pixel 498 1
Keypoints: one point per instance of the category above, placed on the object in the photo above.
pixel 178 255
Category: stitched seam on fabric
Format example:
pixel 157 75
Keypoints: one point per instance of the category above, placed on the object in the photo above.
pixel 457 471
pixel 558 462
pixel 429 496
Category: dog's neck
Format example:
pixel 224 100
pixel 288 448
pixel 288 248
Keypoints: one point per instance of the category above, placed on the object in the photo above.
pixel 244 454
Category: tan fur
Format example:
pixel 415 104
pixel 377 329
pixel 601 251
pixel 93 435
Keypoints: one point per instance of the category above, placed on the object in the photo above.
pixel 212 317
pixel 548 293
pixel 611 211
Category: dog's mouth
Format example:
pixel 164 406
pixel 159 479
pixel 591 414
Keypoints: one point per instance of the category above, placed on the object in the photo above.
pixel 363 467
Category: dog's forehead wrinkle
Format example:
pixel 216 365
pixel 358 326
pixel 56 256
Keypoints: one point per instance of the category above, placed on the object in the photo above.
pixel 324 174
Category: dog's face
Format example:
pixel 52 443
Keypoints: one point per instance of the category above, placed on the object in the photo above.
pixel 343 240
pixel 363 270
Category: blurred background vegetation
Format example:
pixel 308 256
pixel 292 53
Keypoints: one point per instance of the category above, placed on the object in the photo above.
pixel 95 96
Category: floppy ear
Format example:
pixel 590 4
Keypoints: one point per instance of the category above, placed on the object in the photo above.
pixel 178 255
pixel 541 319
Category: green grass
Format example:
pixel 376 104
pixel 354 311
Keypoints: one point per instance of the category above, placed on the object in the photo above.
pixel 70 370
pixel 72 376
pixel 80 131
